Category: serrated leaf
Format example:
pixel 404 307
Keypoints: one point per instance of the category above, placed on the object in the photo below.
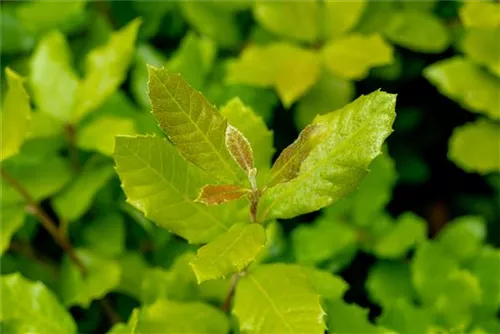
pixel 219 194
pixel 290 69
pixel 404 317
pixel 408 232
pixel 253 128
pixel 350 318
pixel 76 198
pixel 312 243
pixel 12 220
pixel 112 227
pixel 329 286
pixel 474 147
pixel 297 20
pixel 389 281
pixel 53 81
pixel 103 275
pixel 193 124
pixel 480 14
pixel 482 47
pixel 466 83
pixel 353 55
pixel 240 149
pixel 277 298
pixel 340 17
pixel 105 69
pixel 486 267
pixel 16 115
pixel 161 184
pixel 32 307
pixel 418 31
pixel 463 237
pixel 40 176
pixel 166 316
pixel 100 134
pixel 230 252
pixel 328 173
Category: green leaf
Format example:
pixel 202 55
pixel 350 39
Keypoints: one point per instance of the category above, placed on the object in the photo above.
pixel 473 147
pixel 340 17
pixel 219 194
pixel 230 252
pixel 353 55
pixel 290 69
pixel 376 15
pixel 328 173
pixel 99 135
pixel 389 281
pixel 134 269
pixel 76 198
pixel 329 286
pixel 349 318
pixel 53 81
pixel 105 69
pixel 15 37
pixel 41 16
pixel 486 267
pixel 43 125
pixel 166 316
pixel 161 184
pixel 329 93
pixel 467 84
pixel 295 20
pixel 112 227
pixel 404 317
pixel 12 220
pixel 219 25
pixel 16 115
pixel 41 177
pixel 103 275
pixel 312 244
pixel 194 125
pixel 418 31
pixel 482 47
pixel 480 14
pixel 409 231
pixel 463 237
pixel 129 327
pixel 32 308
pixel 253 128
pixel 277 298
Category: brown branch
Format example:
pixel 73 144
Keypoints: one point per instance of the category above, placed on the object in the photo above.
pixel 73 151
pixel 227 302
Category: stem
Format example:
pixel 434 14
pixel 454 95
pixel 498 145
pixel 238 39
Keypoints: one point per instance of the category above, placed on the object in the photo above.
pixel 230 294
pixel 73 151
pixel 114 317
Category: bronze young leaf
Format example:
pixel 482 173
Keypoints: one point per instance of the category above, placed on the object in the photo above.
pixel 218 194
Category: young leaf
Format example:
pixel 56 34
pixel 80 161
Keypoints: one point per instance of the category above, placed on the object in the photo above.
pixel 230 252
pixel 110 225
pixel 466 83
pixel 389 281
pixel 161 184
pixel 253 127
pixel 353 55
pixel 74 200
pixel 194 125
pixel 341 16
pixel 219 194
pixel 482 47
pixel 12 220
pixel 404 317
pixel 278 298
pixel 240 149
pixel 106 68
pixel 474 147
pixel 30 307
pixel 103 276
pixel 329 286
pixel 350 318
pixel 335 167
pixel 480 14
pixel 486 267
pixel 292 70
pixel 52 78
pixel 16 114
pixel 462 238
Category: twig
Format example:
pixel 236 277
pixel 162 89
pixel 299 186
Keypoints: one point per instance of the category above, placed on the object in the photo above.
pixel 114 317
pixel 230 294
pixel 73 152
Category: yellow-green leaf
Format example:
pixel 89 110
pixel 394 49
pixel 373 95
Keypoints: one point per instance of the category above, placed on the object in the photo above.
pixel 335 167
pixel 230 252
pixel 353 55
pixel 15 116
pixel 53 81
pixel 105 69
pixel 12 220
pixel 474 147
pixel 480 14
pixel 290 69
pixel 30 307
pixel 466 83
pixel 482 46
pixel 278 298
pixel 341 16
pixel 193 124
pixel 161 184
